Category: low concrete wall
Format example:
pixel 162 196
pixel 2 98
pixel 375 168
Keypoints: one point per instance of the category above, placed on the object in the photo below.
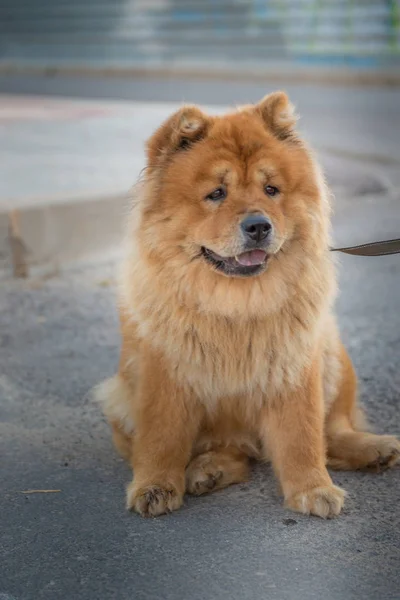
pixel 61 233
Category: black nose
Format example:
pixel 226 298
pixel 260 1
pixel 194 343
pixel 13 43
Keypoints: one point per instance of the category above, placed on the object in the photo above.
pixel 256 227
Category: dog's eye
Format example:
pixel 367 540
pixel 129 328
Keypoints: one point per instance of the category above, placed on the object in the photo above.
pixel 271 190
pixel 218 194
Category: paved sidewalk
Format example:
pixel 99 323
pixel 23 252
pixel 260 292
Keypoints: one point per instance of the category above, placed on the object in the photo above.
pixel 58 150
pixel 55 150
pixel 60 337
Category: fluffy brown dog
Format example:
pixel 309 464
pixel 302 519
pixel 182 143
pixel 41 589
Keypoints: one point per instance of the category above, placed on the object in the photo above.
pixel 229 345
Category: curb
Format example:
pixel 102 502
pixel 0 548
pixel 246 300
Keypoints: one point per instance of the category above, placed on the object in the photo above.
pixel 304 75
pixel 52 234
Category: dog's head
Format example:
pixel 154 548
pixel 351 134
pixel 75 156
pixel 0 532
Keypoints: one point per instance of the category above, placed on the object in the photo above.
pixel 232 195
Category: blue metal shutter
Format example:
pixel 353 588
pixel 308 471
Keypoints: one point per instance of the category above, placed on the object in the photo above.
pixel 198 33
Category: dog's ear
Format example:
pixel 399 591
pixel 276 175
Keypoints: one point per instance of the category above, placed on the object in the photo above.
pixel 185 127
pixel 278 114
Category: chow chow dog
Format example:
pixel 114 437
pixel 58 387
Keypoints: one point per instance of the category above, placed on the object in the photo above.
pixel 230 349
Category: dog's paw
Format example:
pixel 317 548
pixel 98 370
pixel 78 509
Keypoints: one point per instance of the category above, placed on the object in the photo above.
pixel 200 481
pixel 153 500
pixel 386 450
pixel 215 470
pixel 365 451
pixel 325 502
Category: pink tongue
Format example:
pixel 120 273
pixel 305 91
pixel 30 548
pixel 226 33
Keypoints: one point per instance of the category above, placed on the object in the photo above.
pixel 254 257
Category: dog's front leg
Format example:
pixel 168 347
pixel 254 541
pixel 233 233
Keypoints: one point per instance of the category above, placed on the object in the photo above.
pixel 166 423
pixel 293 430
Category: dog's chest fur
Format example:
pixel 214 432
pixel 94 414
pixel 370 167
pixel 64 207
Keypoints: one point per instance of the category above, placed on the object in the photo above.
pixel 218 357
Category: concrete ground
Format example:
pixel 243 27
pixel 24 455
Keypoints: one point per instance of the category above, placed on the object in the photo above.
pixel 59 337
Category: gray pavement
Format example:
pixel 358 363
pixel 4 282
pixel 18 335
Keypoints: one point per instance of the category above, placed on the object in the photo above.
pixel 57 339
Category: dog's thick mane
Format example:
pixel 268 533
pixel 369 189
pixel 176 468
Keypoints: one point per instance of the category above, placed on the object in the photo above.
pixel 203 325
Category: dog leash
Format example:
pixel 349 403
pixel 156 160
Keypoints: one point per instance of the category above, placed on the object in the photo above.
pixel 372 248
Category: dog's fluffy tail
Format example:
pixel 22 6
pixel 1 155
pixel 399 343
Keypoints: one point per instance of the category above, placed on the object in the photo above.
pixel 115 397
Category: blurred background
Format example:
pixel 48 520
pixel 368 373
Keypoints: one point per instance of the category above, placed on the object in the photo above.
pixel 200 34
pixel 83 84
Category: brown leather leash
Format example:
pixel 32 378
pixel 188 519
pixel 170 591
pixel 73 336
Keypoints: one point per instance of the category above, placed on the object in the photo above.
pixel 372 249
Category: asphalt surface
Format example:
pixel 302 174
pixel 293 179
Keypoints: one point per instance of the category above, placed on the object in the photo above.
pixel 365 118
pixel 58 338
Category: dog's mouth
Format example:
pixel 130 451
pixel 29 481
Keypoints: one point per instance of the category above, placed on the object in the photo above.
pixel 245 264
